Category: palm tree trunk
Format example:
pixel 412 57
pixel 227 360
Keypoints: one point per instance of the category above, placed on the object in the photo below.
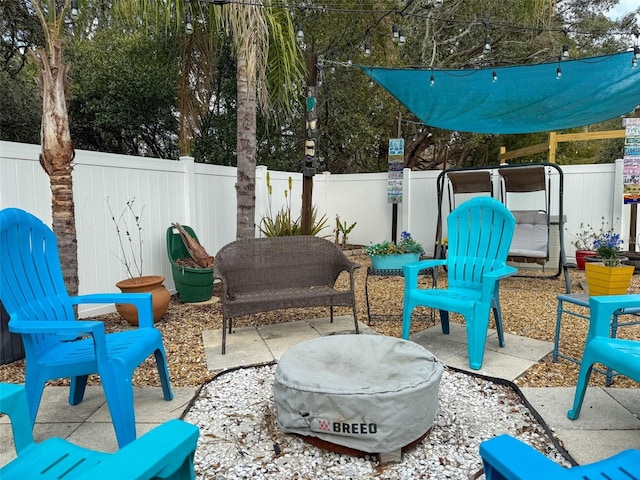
pixel 246 151
pixel 57 155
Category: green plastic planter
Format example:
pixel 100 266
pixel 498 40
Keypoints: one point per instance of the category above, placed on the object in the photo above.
pixel 192 284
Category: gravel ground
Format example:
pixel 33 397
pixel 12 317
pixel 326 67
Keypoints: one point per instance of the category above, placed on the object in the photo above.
pixel 528 309
pixel 240 437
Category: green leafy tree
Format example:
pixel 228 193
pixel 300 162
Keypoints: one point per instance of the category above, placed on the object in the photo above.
pixel 124 93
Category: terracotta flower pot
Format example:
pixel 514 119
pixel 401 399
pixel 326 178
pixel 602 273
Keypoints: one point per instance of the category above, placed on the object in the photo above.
pixel 150 283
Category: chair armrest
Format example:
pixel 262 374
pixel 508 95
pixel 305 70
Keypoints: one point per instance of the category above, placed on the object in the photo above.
pixel 488 286
pixel 158 453
pixel 515 460
pixel 501 273
pixel 66 331
pixel 74 327
pixel 142 302
pixel 413 269
pixel 13 402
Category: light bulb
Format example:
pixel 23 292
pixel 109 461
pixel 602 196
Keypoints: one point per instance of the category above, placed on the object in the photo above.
pixel 189 26
pixel 395 33
pixel 494 76
pixel 402 39
pixel 636 52
pixel 432 81
pixel 565 51
pixel 75 13
pixel 367 50
pixel 349 62
pixel 487 45
pixel 558 73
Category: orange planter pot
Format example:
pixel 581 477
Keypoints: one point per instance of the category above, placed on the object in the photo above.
pixel 603 280
pixel 147 284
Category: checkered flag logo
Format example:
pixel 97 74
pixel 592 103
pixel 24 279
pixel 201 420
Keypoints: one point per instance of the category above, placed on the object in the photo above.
pixel 324 425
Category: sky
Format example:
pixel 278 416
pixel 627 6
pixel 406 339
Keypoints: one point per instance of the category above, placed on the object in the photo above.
pixel 623 7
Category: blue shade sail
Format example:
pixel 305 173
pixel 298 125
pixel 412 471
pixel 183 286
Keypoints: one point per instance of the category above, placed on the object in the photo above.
pixel 522 99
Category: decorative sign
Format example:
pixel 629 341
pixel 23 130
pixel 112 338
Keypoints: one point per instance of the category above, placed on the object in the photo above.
pixel 631 170
pixel 396 165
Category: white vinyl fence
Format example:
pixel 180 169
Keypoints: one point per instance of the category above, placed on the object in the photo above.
pixel 204 197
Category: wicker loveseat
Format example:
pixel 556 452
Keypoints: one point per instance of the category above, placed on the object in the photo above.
pixel 265 274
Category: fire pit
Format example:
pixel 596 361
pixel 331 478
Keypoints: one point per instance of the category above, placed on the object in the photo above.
pixel 368 393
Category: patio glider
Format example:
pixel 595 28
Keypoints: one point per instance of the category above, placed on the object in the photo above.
pixel 619 354
pixel 57 345
pixel 480 232
pixel 506 458
pixel 166 452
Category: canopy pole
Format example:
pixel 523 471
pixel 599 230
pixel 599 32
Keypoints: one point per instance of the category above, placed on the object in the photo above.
pixel 394 206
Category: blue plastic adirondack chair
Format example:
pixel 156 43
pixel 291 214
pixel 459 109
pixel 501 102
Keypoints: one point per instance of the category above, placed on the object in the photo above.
pixel 56 344
pixel 166 452
pixel 506 458
pixel 479 234
pixel 618 354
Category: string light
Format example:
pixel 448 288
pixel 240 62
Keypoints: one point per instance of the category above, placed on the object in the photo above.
pixel 75 13
pixel 367 50
pixel 395 33
pixel 189 25
pixel 300 34
pixel 487 45
pixel 432 80
pixel 487 41
pixel 401 38
pixel 494 76
pixel 565 51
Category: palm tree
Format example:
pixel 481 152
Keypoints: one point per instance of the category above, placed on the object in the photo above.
pixel 270 69
pixel 57 149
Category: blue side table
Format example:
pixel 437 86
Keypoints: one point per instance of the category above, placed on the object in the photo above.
pixel 582 299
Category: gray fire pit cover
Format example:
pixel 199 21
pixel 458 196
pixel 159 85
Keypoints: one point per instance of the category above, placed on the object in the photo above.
pixel 368 392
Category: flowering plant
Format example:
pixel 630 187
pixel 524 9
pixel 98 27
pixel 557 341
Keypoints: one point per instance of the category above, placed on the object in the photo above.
pixel 608 248
pixel 406 245
pixel 587 236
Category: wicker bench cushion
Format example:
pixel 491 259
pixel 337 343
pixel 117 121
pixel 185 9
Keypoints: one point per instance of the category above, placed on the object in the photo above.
pixel 248 303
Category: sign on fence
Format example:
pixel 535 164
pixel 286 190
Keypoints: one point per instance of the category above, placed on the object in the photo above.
pixel 396 165
pixel 631 170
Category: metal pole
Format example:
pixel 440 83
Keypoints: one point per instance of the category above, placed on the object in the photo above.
pixel 310 158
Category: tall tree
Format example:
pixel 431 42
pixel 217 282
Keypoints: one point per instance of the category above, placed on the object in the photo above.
pixel 269 70
pixel 57 149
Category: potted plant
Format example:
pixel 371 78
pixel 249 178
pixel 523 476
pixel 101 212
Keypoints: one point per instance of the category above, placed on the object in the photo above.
pixel 608 276
pixel 131 257
pixel 391 256
pixel 583 244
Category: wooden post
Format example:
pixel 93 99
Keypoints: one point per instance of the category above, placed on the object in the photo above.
pixel 310 150
pixel 633 220
pixel 553 147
